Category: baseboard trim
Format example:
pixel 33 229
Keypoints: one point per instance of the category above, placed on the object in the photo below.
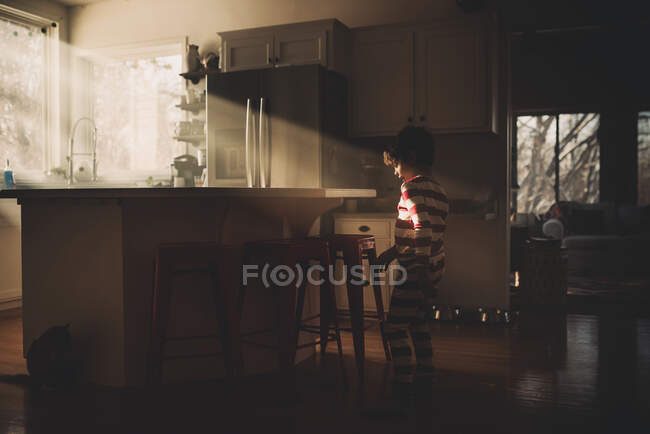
pixel 10 298
pixel 11 304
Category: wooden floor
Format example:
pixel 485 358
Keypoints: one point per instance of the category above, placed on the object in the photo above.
pixel 549 373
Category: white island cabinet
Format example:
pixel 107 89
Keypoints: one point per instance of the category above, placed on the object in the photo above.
pixel 88 260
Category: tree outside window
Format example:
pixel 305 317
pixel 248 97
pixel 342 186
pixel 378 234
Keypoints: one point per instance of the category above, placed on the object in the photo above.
pixel 134 109
pixel 644 158
pixel 558 159
pixel 22 95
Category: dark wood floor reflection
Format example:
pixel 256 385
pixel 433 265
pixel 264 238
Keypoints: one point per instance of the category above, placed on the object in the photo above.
pixel 549 373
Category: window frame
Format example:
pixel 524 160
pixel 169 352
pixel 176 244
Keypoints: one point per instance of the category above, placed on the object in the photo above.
pixel 514 182
pixel 640 109
pixel 84 107
pixel 51 90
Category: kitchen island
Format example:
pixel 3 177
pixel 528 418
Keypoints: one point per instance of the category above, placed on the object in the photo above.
pixel 88 257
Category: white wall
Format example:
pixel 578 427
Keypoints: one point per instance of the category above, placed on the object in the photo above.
pixel 126 21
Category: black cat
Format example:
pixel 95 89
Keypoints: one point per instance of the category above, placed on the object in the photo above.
pixel 49 359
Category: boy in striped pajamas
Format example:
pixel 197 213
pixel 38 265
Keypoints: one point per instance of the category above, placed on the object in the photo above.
pixel 419 248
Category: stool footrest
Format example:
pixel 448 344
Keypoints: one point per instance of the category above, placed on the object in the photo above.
pixel 256 332
pixel 314 330
pixel 365 315
pixel 183 338
pixel 330 339
pixel 192 356
pixel 258 344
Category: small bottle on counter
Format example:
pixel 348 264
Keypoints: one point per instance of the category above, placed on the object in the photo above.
pixel 9 176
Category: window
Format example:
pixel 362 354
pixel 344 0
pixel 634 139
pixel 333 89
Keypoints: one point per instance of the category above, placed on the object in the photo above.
pixel 643 129
pixel 557 159
pixel 132 97
pixel 28 91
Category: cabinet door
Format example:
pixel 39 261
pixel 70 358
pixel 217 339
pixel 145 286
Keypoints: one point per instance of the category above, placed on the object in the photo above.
pixel 453 77
pixel 296 47
pixel 382 81
pixel 248 52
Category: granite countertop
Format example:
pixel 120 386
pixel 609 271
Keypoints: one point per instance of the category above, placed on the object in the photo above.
pixel 199 192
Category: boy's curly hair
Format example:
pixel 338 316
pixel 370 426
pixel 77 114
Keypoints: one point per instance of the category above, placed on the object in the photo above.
pixel 414 146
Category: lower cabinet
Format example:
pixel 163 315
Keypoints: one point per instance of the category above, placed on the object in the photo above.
pixel 381 227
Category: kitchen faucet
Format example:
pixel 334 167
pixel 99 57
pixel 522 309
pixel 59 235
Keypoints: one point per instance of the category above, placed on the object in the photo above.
pixel 71 152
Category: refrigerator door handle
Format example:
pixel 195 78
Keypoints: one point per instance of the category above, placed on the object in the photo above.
pixel 264 152
pixel 248 151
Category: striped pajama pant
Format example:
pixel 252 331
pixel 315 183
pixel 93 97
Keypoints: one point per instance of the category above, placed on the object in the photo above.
pixel 408 307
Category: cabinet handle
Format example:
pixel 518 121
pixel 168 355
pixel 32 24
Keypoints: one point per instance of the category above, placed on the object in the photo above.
pixel 277 60
pixel 364 228
pixel 422 118
pixel 410 119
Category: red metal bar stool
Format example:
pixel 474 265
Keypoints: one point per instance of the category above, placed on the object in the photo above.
pixel 294 254
pixel 222 265
pixel 355 248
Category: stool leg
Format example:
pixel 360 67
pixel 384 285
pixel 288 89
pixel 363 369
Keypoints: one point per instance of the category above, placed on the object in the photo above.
pixel 335 320
pixel 355 300
pixel 160 319
pixel 300 304
pixel 228 320
pixel 379 303
pixel 242 288
pixel 326 314
pixel 285 321
pixel 334 309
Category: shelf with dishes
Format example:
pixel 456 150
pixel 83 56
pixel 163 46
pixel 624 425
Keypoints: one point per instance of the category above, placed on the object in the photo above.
pixel 191 138
pixel 192 107
pixel 196 76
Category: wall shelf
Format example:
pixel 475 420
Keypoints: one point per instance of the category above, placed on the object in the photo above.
pixel 196 76
pixel 194 107
pixel 190 138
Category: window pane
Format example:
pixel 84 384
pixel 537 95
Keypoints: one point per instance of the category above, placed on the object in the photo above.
pixel 579 157
pixel 22 95
pixel 535 163
pixel 134 109
pixel 644 158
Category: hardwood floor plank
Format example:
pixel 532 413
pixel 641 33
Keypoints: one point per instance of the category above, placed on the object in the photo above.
pixel 548 373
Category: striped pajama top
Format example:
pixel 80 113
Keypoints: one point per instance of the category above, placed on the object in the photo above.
pixel 420 225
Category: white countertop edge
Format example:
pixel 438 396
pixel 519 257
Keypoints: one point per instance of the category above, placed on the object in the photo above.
pixel 365 215
pixel 141 192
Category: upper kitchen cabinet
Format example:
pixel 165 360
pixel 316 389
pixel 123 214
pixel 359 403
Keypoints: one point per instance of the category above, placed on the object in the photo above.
pixel 244 51
pixel 382 80
pixel 438 75
pixel 316 42
pixel 454 76
pixel 299 47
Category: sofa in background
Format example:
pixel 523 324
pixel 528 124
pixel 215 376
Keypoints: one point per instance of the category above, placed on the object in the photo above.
pixel 606 239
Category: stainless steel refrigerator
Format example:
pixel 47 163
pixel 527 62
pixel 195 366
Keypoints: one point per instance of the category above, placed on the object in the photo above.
pixel 278 127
